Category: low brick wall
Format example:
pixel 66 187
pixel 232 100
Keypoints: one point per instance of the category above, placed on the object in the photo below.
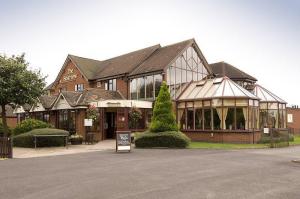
pixel 224 137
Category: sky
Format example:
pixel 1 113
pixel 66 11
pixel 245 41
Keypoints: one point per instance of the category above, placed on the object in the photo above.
pixel 260 37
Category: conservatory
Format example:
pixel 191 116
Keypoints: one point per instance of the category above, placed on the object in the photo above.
pixel 272 108
pixel 218 108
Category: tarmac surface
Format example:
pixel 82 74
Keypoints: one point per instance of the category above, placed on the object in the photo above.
pixel 155 173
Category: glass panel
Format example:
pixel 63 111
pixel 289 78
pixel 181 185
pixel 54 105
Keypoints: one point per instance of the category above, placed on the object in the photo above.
pixel 183 76
pixel 263 105
pixel 114 82
pixel 157 81
pixel 189 76
pixel 178 76
pixel 189 104
pixel 256 117
pixel 273 105
pixel 149 87
pixel 133 92
pixel 206 103
pixel 241 102
pixel 207 119
pixel 195 78
pixel 198 119
pixel 228 102
pixel 178 62
pixel 263 117
pixel 217 115
pixel 241 118
pixel 273 118
pixel 190 118
pixel 256 103
pixel 168 76
pixel 198 104
pixel 230 119
pixel 141 88
pixel 284 118
pixel 181 118
pixel 172 75
pixel 181 105
pixel 216 102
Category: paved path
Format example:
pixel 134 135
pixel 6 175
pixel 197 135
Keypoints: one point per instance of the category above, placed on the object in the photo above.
pixel 54 151
pixel 158 173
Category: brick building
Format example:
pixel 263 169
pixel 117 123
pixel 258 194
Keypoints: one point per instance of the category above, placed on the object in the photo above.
pixel 116 85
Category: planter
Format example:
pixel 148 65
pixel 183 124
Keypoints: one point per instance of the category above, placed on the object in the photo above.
pixel 76 141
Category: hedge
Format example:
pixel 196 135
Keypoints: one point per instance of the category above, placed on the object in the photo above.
pixel 169 139
pixel 27 139
pixel 30 124
pixel 276 139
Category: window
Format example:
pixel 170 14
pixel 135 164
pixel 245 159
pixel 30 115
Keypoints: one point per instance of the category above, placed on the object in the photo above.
pixel 149 87
pixel 181 118
pixel 46 117
pixel 198 119
pixel 133 92
pixel 241 115
pixel 230 117
pixel 217 115
pixel 98 84
pixel 141 87
pixel 79 87
pixel 186 68
pixel 190 118
pixel 145 87
pixel 207 119
pixel 111 85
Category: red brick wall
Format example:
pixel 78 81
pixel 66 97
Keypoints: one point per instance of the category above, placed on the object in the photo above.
pixel 70 84
pixel 224 137
pixel 296 119
pixel 122 87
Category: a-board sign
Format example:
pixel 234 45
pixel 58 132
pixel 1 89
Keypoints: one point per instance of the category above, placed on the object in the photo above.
pixel 123 141
pixel 266 130
pixel 88 122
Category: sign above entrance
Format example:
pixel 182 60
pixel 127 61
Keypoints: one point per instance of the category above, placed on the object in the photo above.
pixel 123 141
pixel 88 122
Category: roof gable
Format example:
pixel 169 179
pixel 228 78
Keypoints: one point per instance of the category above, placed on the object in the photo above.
pixel 225 69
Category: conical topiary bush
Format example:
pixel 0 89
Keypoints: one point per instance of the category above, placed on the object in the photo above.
pixel 163 118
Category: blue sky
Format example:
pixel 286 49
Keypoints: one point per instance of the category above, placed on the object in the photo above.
pixel 260 37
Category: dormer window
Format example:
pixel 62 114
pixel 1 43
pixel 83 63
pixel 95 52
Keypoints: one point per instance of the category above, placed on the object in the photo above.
pixel 79 87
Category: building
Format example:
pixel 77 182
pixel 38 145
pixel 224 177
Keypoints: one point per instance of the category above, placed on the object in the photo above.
pixel 113 87
pixel 293 119
pixel 11 117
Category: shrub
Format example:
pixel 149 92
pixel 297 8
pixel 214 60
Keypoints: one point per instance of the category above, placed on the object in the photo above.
pixel 30 124
pixel 170 139
pixel 163 117
pixel 265 139
pixel 27 139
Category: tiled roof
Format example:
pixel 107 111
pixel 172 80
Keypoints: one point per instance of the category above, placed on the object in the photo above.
pixel 98 94
pixel 47 101
pixel 161 57
pixel 225 69
pixel 124 64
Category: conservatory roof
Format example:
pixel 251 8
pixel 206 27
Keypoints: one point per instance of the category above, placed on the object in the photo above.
pixel 222 87
pixel 266 95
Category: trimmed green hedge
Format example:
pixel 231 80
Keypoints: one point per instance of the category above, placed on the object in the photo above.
pixel 30 124
pixel 169 139
pixel 27 139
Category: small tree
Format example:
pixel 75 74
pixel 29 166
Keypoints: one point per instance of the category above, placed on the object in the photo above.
pixel 163 118
pixel 18 84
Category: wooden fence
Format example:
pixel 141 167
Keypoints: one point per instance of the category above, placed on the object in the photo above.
pixel 6 147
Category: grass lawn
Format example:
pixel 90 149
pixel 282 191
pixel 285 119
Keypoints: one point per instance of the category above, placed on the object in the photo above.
pixel 296 141
pixel 208 145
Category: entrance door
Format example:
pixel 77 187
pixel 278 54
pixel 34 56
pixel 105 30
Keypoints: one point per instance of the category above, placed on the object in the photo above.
pixel 111 125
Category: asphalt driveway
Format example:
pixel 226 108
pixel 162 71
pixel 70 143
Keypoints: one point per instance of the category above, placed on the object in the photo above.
pixel 263 173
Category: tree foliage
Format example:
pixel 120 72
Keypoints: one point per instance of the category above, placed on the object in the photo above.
pixel 163 118
pixel 18 84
